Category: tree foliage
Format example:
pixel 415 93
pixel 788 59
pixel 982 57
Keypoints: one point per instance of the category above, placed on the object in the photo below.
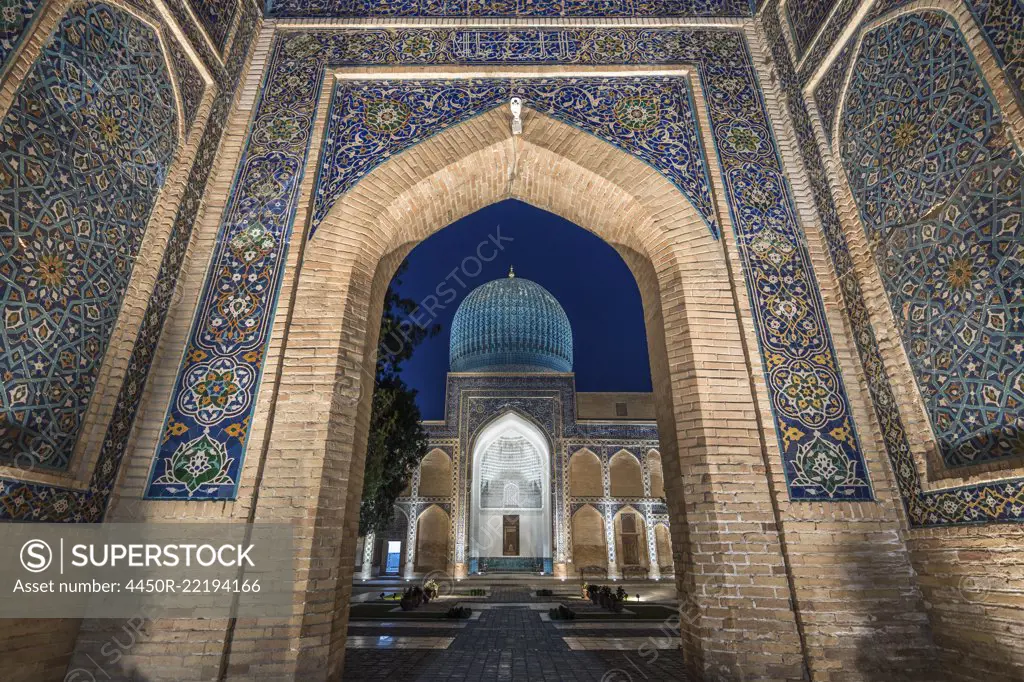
pixel 397 441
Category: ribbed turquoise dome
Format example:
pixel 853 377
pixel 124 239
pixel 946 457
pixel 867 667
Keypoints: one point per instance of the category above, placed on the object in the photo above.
pixel 511 325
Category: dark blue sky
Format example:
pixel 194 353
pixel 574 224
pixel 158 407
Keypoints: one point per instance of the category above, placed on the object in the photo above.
pixel 584 273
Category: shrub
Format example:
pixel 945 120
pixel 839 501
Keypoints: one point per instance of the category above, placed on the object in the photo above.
pixel 562 613
pixel 545 593
pixel 478 592
pixel 459 612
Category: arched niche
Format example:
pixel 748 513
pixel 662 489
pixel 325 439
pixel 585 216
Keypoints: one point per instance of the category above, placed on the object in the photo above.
pixel 656 473
pixel 625 475
pixel 663 541
pixel 432 540
pixel 510 480
pixel 630 538
pixel 589 543
pixel 436 474
pixel 586 478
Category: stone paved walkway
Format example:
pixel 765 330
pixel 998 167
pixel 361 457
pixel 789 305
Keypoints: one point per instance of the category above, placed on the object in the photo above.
pixel 509 644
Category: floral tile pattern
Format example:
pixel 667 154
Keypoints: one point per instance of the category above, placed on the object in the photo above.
pixel 1000 501
pixel 204 436
pixel 651 118
pixel 21 501
pixel 828 92
pixel 84 151
pixel 509 8
pixel 938 185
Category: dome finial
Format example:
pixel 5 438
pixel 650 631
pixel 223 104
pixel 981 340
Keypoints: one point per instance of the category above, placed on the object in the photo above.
pixel 511 272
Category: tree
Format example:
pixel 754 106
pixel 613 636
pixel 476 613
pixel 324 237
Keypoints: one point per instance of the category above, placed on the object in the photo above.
pixel 397 441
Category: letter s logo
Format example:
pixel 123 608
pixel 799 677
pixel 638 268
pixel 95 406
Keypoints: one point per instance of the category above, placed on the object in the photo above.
pixel 36 556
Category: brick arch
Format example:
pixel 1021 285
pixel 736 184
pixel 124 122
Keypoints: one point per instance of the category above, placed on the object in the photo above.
pixel 585 474
pixel 642 557
pixel 690 311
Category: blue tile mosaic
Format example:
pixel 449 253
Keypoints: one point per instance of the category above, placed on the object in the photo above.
pixel 651 118
pixel 999 501
pixel 805 19
pixel 204 437
pixel 216 17
pixel 938 185
pixel 21 501
pixel 84 152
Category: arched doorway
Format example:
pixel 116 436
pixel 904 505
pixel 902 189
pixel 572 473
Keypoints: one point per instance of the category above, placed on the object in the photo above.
pixel 589 545
pixel 510 504
pixel 685 283
pixel 432 540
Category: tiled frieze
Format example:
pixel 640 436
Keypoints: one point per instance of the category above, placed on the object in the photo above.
pixel 204 436
pixel 84 151
pixel 508 8
pixel 996 501
pixel 22 501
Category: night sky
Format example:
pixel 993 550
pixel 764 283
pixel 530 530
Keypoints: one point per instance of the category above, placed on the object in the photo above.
pixel 583 273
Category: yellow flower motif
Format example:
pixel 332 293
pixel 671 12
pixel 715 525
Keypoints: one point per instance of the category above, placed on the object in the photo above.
pixel 50 270
pixel 960 273
pixel 109 129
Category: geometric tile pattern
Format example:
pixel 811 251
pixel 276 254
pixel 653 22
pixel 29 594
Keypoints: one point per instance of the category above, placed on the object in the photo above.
pixel 84 151
pixel 805 18
pixel 1000 501
pixel 938 186
pixel 20 501
pixel 15 16
pixel 216 17
pixel 205 432
pixel 651 118
pixel 509 8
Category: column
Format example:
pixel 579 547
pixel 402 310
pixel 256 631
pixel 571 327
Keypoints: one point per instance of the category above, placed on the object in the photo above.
pixel 368 542
pixel 410 543
pixel 609 533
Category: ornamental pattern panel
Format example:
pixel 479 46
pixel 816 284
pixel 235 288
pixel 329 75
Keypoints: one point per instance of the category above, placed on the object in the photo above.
pixel 509 8
pixel 204 436
pixel 829 89
pixel 650 118
pixel 1000 501
pixel 15 16
pixel 937 182
pixel 834 25
pixel 21 501
pixel 805 18
pixel 216 17
pixel 191 85
pixel 84 151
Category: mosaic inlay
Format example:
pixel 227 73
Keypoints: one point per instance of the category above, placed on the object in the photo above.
pixel 805 18
pixel 216 17
pixel 35 502
pixel 992 502
pixel 812 416
pixel 651 118
pixel 84 151
pixel 938 185
pixel 509 8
